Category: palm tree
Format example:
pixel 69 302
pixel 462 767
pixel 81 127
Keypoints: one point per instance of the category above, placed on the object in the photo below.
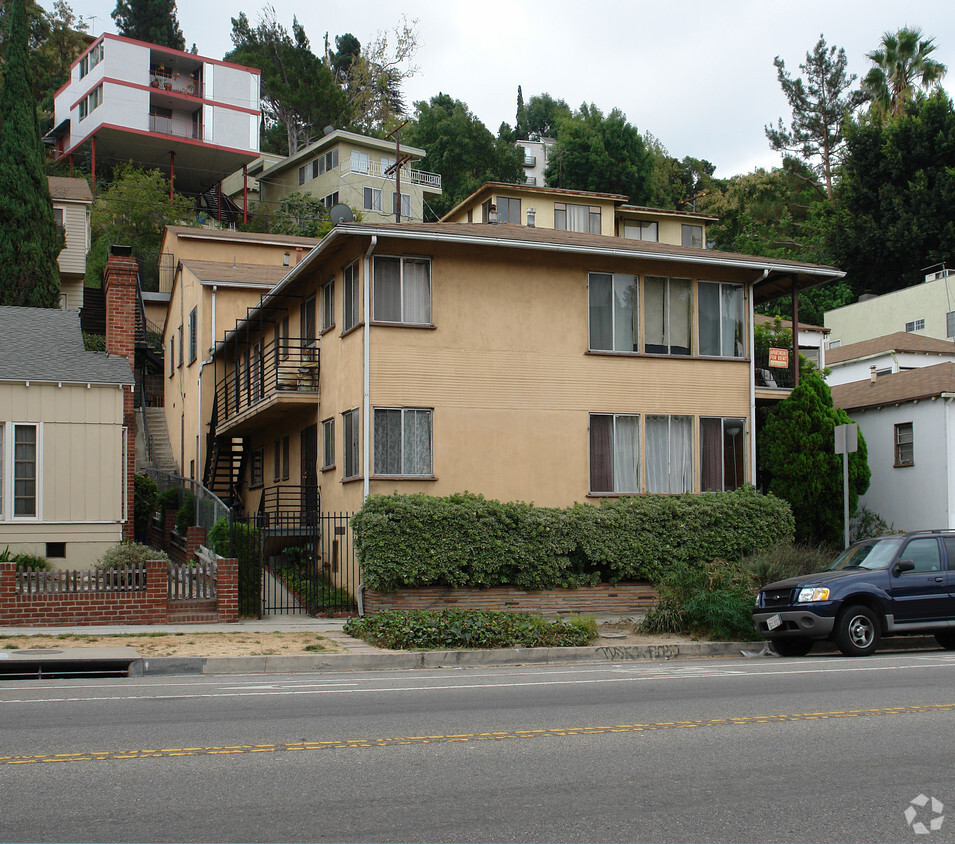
pixel 902 65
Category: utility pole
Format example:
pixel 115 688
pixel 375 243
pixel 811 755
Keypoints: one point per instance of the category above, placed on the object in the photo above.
pixel 396 168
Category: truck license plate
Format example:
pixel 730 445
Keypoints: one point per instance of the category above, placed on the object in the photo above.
pixel 773 622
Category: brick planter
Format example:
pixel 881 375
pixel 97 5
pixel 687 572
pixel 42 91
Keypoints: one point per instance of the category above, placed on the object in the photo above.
pixel 604 599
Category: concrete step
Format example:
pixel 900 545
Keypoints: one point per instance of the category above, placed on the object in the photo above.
pixel 162 456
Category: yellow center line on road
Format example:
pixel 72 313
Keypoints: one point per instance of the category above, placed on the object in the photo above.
pixel 557 732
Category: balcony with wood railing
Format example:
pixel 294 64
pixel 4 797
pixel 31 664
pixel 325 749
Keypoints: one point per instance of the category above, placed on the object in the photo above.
pixel 265 381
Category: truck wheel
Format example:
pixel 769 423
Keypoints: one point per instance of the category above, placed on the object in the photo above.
pixel 792 647
pixel 857 631
pixel 946 639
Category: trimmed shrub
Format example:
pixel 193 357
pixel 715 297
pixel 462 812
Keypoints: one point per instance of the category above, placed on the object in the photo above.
pixel 788 560
pixel 467 541
pixel 128 553
pixel 713 601
pixel 168 500
pixel 186 517
pixel 241 541
pixel 456 628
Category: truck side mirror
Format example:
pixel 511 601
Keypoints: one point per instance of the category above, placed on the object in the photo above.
pixel 903 566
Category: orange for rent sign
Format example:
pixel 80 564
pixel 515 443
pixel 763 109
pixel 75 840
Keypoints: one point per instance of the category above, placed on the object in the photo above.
pixel 779 358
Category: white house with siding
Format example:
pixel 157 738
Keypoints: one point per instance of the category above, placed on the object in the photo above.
pixel 63 472
pixel 71 209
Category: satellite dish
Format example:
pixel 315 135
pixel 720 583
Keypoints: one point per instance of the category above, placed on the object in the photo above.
pixel 341 213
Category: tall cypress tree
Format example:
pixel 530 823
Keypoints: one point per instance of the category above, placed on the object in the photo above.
pixel 153 21
pixel 29 239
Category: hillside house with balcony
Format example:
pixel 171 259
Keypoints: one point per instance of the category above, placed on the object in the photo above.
pixel 343 167
pixel 585 212
pixel 71 210
pixel 194 117
pixel 521 363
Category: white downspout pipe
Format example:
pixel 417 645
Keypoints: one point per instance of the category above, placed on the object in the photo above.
pixel 752 377
pixel 366 374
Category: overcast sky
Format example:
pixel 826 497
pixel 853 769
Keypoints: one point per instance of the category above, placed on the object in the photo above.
pixel 698 75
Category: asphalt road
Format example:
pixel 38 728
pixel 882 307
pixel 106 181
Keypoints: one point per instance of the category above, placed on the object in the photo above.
pixel 816 749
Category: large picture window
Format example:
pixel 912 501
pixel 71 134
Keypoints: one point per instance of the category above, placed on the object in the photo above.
pixel 614 317
pixel 614 453
pixel 722 454
pixel 402 290
pixel 403 441
pixel 669 454
pixel 721 319
pixel 667 306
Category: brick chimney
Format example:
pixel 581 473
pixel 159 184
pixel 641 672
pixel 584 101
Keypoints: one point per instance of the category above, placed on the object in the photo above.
pixel 119 284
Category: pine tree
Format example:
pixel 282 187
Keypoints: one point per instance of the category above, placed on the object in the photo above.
pixel 29 240
pixel 153 21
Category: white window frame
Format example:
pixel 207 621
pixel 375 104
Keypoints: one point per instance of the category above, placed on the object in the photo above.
pixel 915 325
pixel 371 199
pixel 405 205
pixel 562 217
pixel 407 460
pixel 8 472
pixel 404 317
pixel 904 444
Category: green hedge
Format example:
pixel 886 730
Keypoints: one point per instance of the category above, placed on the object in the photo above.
pixel 465 540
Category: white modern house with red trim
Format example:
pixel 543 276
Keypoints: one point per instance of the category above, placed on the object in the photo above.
pixel 197 118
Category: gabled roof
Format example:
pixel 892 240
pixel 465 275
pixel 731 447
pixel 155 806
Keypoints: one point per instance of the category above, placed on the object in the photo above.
pixel 923 383
pixel 898 342
pixel 239 275
pixel 69 190
pixel 45 344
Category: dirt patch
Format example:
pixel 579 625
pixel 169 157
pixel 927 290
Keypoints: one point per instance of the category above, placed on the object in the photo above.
pixel 186 644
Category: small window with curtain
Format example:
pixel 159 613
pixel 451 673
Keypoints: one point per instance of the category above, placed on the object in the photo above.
pixel 328 444
pixel 350 297
pixel 350 449
pixel 328 305
pixel 693 236
pixel 722 454
pixel 669 454
pixel 614 453
pixel 402 290
pixel 904 445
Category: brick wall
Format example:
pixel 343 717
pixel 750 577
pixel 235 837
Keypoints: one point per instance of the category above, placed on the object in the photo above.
pixel 622 599
pixel 119 284
pixel 149 606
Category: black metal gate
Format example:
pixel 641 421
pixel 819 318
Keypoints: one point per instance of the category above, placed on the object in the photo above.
pixel 291 565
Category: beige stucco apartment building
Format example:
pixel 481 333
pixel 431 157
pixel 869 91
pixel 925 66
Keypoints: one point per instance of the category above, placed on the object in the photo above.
pixel 520 363
pixel 214 278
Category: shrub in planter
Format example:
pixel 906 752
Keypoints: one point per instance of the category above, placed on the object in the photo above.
pixel 712 601
pixel 128 553
pixel 458 628
pixel 168 500
pixel 186 517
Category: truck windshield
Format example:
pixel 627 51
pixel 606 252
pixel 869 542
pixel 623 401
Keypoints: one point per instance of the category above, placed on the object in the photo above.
pixel 871 555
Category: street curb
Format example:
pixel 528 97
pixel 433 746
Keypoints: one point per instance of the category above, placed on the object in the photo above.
pixel 398 660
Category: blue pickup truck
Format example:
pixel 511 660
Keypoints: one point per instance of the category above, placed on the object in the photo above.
pixel 890 586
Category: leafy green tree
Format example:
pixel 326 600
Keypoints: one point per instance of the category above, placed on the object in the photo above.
pixel 903 65
pixel 29 239
pixel 153 21
pixel 462 149
pixel 298 90
pixel 542 116
pixel 56 39
pixel 674 183
pixel 796 448
pixel 133 210
pixel 598 153
pixel 820 107
pixel 892 214
pixel 300 214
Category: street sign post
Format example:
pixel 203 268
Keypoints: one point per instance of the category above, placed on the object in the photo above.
pixel 847 441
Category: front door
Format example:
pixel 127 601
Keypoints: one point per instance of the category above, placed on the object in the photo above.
pixel 309 475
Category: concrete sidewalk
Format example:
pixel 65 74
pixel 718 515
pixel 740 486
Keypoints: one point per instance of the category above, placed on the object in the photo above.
pixel 360 656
